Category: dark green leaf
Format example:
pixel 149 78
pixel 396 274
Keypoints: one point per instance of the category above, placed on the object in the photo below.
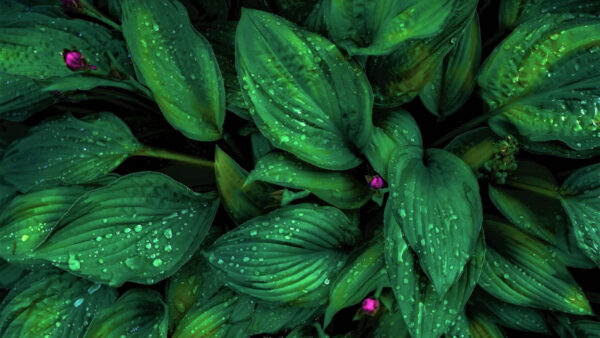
pixel 391 325
pixel 272 319
pixel 137 313
pixel 305 97
pixel 68 149
pixel 340 189
pixel 178 65
pixel 515 12
pixel 290 255
pixel 52 304
pixel 9 274
pixel 141 228
pixel 260 146
pixel 435 199
pixel 483 327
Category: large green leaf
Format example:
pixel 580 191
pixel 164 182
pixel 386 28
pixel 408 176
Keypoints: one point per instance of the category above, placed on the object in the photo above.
pixel 426 313
pixel 435 199
pixel 137 313
pixel 340 189
pixel 360 277
pixel 177 64
pixel 515 12
pixel 579 197
pixel 540 83
pixel 454 80
pixel 52 304
pixel 522 270
pixel 10 274
pixel 393 129
pixel 21 97
pixel 241 200
pixel 290 255
pixel 267 318
pixel 141 228
pixel 305 97
pixel 391 325
pixel 68 149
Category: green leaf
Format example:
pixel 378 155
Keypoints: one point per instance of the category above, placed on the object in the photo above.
pixel 178 65
pixel 426 313
pixel 515 12
pixel 241 201
pixel 393 129
pixel 137 313
pixel 141 228
pixel 21 97
pixel 290 255
pixel 52 304
pixel 10 274
pixel 435 199
pixel 579 197
pixel 68 149
pixel 272 319
pixel 390 325
pixel 483 327
pixel 366 27
pixel 295 11
pixel 540 84
pixel 260 146
pixel 509 315
pixel 454 80
pixel 475 147
pixel 340 189
pixel 522 270
pixel 305 97
pixel 360 277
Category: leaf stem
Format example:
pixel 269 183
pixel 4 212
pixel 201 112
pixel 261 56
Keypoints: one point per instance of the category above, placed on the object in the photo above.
pixel 168 155
pixel 554 194
pixel 463 128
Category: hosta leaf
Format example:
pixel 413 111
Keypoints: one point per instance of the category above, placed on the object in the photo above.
pixel 68 149
pixel 21 97
pixel 290 255
pixel 393 129
pixel 522 270
pixel 483 327
pixel 579 197
pixel 435 199
pixel 137 313
pixel 141 228
pixel 293 10
pixel 509 315
pixel 52 304
pixel 178 65
pixel 400 76
pixel 272 319
pixel 391 325
pixel 260 146
pixel 364 274
pixel 9 274
pixel 540 83
pixel 378 27
pixel 426 313
pixel 340 189
pixel 475 147
pixel 305 97
pixel 241 202
pixel 454 80
pixel 515 12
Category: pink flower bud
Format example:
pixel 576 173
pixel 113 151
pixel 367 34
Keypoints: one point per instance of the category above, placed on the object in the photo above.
pixel 74 60
pixel 370 305
pixel 376 182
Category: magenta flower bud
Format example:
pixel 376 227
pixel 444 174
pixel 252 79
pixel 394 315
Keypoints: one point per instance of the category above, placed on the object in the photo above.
pixel 370 305
pixel 376 182
pixel 74 60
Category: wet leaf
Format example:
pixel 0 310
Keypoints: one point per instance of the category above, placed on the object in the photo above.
pixel 435 199
pixel 10 274
pixel 178 65
pixel 522 270
pixel 540 85
pixel 242 202
pixel 483 327
pixel 52 304
pixel 137 313
pixel 260 146
pixel 454 80
pixel 340 189
pixel 426 313
pixel 391 325
pixel 304 96
pixel 141 228
pixel 68 149
pixel 290 255
pixel 516 12
pixel 272 319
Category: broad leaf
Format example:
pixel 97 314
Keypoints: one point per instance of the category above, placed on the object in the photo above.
pixel 242 201
pixel 364 274
pixel 540 83
pixel 141 228
pixel 52 304
pixel 390 325
pixel 178 65
pixel 454 80
pixel 260 146
pixel 305 97
pixel 340 189
pixel 21 97
pixel 515 12
pixel 426 313
pixel 435 199
pixel 271 319
pixel 68 149
pixel 137 313
pixel 10 274
pixel 483 327
pixel 290 255
pixel 393 129
pixel 522 270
